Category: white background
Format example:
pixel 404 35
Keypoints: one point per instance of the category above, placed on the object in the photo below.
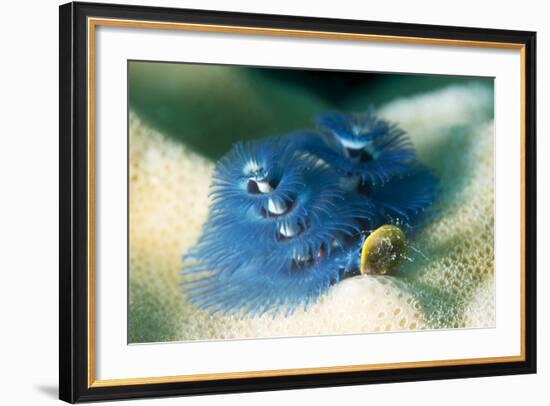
pixel 29 221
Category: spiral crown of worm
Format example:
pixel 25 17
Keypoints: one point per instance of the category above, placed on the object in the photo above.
pixel 289 215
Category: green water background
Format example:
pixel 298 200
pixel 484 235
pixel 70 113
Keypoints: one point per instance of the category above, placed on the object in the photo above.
pixel 210 107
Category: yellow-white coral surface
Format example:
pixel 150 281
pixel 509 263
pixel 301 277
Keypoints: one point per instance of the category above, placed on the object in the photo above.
pixel 447 283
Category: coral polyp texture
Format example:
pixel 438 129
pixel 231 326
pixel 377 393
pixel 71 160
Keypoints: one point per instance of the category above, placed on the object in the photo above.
pixel 448 283
pixel 290 215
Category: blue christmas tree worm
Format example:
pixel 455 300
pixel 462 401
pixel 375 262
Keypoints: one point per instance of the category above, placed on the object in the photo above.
pixel 291 216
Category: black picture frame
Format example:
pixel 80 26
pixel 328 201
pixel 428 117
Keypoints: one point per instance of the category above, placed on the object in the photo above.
pixel 74 385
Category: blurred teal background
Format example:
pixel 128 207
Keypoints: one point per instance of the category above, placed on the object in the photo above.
pixel 210 107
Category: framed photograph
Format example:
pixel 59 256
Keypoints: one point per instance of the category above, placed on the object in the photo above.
pixel 256 202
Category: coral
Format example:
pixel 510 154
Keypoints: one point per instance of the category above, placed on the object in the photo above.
pixel 457 141
pixel 449 283
pixel 355 305
pixel 168 203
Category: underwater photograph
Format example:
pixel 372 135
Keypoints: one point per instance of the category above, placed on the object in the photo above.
pixel 274 202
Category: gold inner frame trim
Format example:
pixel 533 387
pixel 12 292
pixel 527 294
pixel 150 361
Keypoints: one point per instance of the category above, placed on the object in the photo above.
pixel 94 22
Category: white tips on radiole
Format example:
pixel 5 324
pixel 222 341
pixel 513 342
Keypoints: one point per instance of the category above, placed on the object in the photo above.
pixel 276 206
pixel 264 186
pixel 289 230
